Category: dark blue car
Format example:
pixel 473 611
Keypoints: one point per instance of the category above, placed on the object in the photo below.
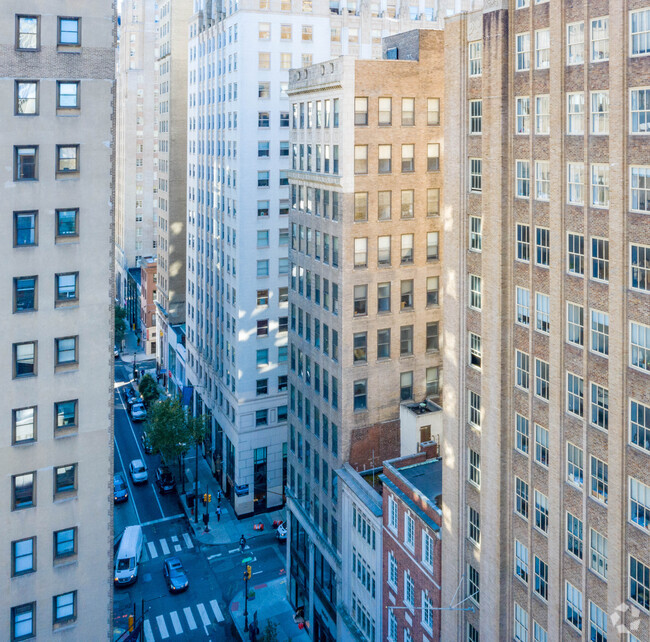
pixel 120 489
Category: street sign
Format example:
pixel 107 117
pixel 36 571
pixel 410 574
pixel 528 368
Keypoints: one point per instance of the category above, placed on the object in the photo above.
pixel 246 560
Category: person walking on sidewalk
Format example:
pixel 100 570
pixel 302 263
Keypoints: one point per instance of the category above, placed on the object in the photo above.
pixel 242 543
pixel 218 512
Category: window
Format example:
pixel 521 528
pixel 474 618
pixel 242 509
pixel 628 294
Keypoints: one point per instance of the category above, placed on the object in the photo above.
pixel 474 409
pixel 474 468
pixel 360 252
pixel 383 250
pixel 542 180
pixel 432 291
pixel 262 387
pixel 542 115
pixel 67 224
pixel 521 624
pixel 392 570
pixel 24 359
pixel 599 39
pixel 599 479
pixel 575 43
pixel 70 31
pixel 640 189
pixel 522 376
pixel 24 491
pixel 542 313
pixel 427 615
pixel 23 425
pixel 409 590
pixel 263 149
pixel 600 112
pixel 640 111
pixel 639 583
pixel 432 336
pixel 360 300
pixel 383 344
pixel 26 100
pixel 475 350
pixel 541 578
pixel 575 113
pixel 475 58
pixel 307 33
pixel 408 111
pixel 599 185
pixel 23 556
pixel 523 306
pixel 263 119
pixel 542 379
pixel 392 626
pixel 574 471
pixel 407 203
pixel 473 526
pixel 598 553
pixel 474 291
pixel 640 346
pixel 522 54
pixel 433 381
pixel 406 248
pixel 539 633
pixel 597 623
pixel 639 504
pixel 262 357
pixel 639 32
pixel 361 111
pixel 433 111
pixel 575 394
pixel 384 159
pixel 573 606
pixel 262 297
pixel 360 159
pixel 65 478
pixel 26 163
pixel 475 233
pixel 542 49
pixel 360 391
pixel 64 607
pixel 409 531
pixel 28 32
pixel 361 206
pixel 66 287
pixel 384 206
pixel 521 497
pixel 472 633
pixel 433 157
pixel 599 406
pixel 473 584
pixel 523 179
pixel 406 386
pixel 360 347
pixel 263 60
pixel 575 324
pixel 392 513
pixel 541 445
pixel 523 115
pixel 576 254
pixel 65 413
pixel 522 430
pixel 25 293
pixel 599 334
pixel 263 178
pixel 574 535
pixel 640 425
pixel 406 294
pixel 575 182
pixel 23 621
pixel 406 340
pixel 475 175
pixel 67 159
pixel 66 351
pixel 541 511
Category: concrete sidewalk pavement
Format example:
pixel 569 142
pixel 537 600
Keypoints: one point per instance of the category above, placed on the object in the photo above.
pixel 270 603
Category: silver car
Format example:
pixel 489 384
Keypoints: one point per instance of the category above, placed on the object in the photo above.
pixel 138 471
pixel 138 412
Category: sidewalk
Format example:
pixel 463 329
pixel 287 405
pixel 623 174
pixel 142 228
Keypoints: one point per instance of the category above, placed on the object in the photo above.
pixel 229 529
pixel 270 603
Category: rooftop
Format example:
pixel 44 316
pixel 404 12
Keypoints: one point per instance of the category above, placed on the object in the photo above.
pixel 361 486
pixel 427 478
pixel 423 407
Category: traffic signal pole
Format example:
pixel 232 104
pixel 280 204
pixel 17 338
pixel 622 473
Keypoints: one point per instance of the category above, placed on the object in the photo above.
pixel 246 599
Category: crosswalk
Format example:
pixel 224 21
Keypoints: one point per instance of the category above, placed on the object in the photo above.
pixel 162 547
pixel 175 623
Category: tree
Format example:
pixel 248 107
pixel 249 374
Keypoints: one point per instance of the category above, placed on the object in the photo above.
pixel 166 429
pixel 120 325
pixel 149 390
pixel 270 633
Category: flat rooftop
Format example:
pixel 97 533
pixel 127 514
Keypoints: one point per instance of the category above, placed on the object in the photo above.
pixel 427 478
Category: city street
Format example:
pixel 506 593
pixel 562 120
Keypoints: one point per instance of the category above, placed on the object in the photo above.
pixel 215 572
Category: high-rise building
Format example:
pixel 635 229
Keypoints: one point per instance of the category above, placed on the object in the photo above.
pixel 57 136
pixel 364 251
pixel 546 336
pixel 137 162
pixel 238 210
pixel 172 64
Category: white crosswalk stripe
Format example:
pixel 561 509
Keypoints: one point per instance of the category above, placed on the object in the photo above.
pixel 191 622
pixel 177 548
pixel 153 553
pixel 176 622
pixel 188 540
pixel 203 613
pixel 163 545
pixel 216 610
pixel 148 632
pixel 174 538
pixel 162 627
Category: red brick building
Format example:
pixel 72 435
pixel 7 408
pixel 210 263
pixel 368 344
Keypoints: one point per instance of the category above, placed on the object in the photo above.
pixel 412 518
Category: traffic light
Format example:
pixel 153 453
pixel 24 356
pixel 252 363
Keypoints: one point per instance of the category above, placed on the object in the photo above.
pixel 209 498
pixel 205 497
pixel 131 622
pixel 248 571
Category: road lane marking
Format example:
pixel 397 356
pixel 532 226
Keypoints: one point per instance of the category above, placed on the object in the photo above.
pixel 126 477
pixel 204 614
pixel 176 622
pixel 188 540
pixel 148 632
pixel 163 545
pixel 174 538
pixel 162 627
pixel 152 550
pixel 257 572
pixel 163 519
pixel 234 550
pixel 191 622
pixel 216 610
pixel 211 557
pixel 177 548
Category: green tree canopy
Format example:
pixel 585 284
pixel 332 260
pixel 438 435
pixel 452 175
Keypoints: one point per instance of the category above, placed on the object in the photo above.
pixel 120 325
pixel 148 389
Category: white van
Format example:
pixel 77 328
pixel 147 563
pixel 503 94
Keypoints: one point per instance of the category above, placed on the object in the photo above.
pixel 128 556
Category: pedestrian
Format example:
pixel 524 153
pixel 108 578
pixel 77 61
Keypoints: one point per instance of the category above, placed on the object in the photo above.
pixel 218 512
pixel 242 543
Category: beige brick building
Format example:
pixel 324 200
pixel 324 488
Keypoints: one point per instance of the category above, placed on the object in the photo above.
pixel 56 364
pixel 547 321
pixel 366 149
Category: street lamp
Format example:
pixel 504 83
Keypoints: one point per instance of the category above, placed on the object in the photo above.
pixel 247 574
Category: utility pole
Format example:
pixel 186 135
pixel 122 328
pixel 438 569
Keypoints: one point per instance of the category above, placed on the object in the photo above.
pixel 196 482
pixel 246 576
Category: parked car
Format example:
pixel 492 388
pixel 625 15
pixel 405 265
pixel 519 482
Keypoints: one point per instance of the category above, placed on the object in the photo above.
pixel 281 533
pixel 165 480
pixel 120 489
pixel 175 575
pixel 129 395
pixel 146 444
pixel 138 471
pixel 116 353
pixel 134 399
pixel 138 412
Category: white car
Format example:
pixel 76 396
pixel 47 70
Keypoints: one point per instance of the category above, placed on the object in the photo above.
pixel 138 471
pixel 138 412
pixel 281 533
